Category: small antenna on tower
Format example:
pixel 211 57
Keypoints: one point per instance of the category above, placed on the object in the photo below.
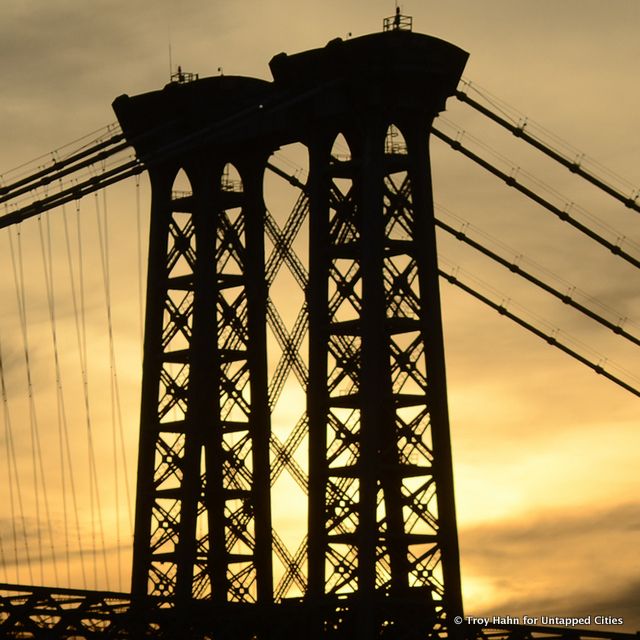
pixel 170 59
pixel 397 22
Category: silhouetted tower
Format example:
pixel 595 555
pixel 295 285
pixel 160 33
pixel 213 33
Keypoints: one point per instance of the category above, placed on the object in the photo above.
pixel 382 555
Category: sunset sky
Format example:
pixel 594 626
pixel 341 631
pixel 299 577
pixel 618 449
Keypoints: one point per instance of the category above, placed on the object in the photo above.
pixel 546 453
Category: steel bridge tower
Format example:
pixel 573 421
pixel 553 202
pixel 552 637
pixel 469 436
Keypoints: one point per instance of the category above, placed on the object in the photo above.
pixel 382 555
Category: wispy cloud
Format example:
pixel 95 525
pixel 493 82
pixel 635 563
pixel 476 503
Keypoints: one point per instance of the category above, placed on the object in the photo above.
pixel 558 563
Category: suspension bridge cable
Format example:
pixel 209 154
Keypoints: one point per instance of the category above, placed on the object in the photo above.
pixel 534 182
pixel 63 168
pixel 21 312
pixel 102 244
pixel 66 466
pixel 521 130
pixel 47 266
pixel 12 472
pixel 3 559
pixel 69 458
pixel 81 336
pixel 562 214
pixel 550 338
pixel 116 407
pixel 514 267
pixel 7 422
pixel 39 479
pixel 97 151
pixel 97 526
pixel 61 154
pixel 291 179
pixel 77 192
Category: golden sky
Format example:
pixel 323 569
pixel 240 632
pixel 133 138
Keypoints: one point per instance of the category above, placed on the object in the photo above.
pixel 546 453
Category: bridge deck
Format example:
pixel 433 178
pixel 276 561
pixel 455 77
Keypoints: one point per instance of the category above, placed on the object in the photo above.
pixel 33 612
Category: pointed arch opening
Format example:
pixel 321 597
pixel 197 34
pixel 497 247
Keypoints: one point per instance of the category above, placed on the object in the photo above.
pixel 394 142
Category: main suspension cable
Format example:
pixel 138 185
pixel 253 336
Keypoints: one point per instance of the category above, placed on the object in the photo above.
pixel 513 266
pixel 551 338
pixel 50 162
pixel 60 169
pixel 562 214
pixel 522 129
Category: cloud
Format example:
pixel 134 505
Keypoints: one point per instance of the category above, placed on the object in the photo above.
pixel 557 563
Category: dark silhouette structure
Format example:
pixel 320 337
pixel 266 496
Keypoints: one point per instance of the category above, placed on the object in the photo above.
pixel 381 559
pixel 382 548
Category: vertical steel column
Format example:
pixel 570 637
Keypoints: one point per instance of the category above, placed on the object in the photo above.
pixel 192 579
pixel 161 179
pixel 426 258
pixel 374 384
pixel 251 168
pixel 382 538
pixel 203 520
pixel 317 391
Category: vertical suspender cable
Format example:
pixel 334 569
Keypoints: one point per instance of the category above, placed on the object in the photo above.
pixel 3 561
pixel 48 278
pixel 63 431
pixel 72 282
pixel 81 332
pixel 38 468
pixel 102 243
pixel 21 312
pixel 116 407
pixel 123 476
pixel 12 471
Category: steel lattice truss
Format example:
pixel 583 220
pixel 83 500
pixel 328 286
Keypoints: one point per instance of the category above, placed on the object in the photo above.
pixel 203 406
pixel 204 526
pixel 234 522
pixel 377 528
pixel 40 612
pixel 34 613
pixel 406 451
pixel 363 348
